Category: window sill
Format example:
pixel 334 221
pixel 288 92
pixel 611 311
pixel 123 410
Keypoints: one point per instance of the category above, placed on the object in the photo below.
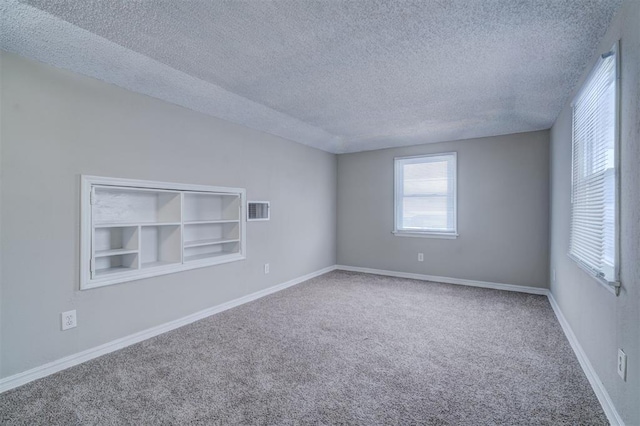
pixel 417 234
pixel 612 287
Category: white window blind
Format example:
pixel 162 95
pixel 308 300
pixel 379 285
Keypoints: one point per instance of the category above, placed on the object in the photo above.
pixel 594 189
pixel 425 195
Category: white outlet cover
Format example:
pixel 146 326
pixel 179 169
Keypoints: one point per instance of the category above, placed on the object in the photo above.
pixel 68 320
pixel 622 364
pixel 420 257
pixel 266 268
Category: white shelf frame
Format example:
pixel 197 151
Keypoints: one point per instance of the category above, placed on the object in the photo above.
pixel 87 183
pixel 114 252
pixel 206 222
pixel 210 242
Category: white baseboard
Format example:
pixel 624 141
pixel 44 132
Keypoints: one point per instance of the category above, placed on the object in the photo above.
pixel 458 281
pixel 602 394
pixel 69 361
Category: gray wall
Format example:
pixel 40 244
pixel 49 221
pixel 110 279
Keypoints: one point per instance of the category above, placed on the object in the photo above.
pixel 57 125
pixel 503 201
pixel 602 322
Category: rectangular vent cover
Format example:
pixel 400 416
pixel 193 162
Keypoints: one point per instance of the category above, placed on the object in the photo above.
pixel 258 210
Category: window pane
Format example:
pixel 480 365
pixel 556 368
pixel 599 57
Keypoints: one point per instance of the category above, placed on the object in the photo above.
pixel 426 178
pixel 425 213
pixel 609 217
pixel 593 238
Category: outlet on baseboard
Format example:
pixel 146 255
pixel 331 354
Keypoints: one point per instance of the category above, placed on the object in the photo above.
pixel 622 365
pixel 68 320
pixel 266 268
pixel 420 257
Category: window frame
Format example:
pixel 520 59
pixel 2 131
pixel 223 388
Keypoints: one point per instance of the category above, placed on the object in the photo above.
pixel 611 286
pixel 398 195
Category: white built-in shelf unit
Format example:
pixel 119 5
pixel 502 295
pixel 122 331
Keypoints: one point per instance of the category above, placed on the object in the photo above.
pixel 133 229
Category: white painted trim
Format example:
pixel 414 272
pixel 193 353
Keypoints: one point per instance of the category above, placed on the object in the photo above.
pixel 599 389
pixel 158 185
pixel 25 377
pixel 447 280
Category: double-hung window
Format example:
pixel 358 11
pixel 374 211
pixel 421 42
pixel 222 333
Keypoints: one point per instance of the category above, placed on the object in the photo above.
pixel 425 195
pixel 594 186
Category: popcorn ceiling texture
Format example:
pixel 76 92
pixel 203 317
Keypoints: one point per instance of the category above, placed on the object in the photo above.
pixel 342 76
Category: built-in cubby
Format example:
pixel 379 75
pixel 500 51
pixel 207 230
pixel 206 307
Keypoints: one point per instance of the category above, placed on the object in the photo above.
pixel 115 240
pixel 160 245
pixel 115 264
pixel 135 206
pixel 136 229
pixel 210 251
pixel 211 233
pixel 202 207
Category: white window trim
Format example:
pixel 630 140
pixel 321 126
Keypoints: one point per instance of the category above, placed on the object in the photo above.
pixel 447 235
pixel 612 287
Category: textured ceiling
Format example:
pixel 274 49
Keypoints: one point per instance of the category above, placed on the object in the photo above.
pixel 342 76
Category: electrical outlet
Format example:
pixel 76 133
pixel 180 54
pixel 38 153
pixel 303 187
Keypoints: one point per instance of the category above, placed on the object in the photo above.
pixel 420 257
pixel 266 268
pixel 553 275
pixel 622 365
pixel 68 320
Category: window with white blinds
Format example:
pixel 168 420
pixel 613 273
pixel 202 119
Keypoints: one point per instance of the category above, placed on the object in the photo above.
pixel 594 186
pixel 425 195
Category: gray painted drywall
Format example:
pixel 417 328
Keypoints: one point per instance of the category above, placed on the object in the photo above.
pixel 503 190
pixel 57 125
pixel 602 322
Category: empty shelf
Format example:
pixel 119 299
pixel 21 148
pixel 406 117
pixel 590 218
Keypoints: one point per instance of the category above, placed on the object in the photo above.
pixel 202 222
pixel 158 263
pixel 208 255
pixel 114 270
pixel 114 252
pixel 211 241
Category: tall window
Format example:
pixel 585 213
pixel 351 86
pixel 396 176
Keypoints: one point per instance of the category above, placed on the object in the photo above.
pixel 425 195
pixel 594 186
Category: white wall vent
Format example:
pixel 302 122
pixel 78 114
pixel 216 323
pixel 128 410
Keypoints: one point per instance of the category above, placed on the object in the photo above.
pixel 258 210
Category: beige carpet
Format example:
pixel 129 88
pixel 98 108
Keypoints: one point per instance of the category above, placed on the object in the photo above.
pixel 343 348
